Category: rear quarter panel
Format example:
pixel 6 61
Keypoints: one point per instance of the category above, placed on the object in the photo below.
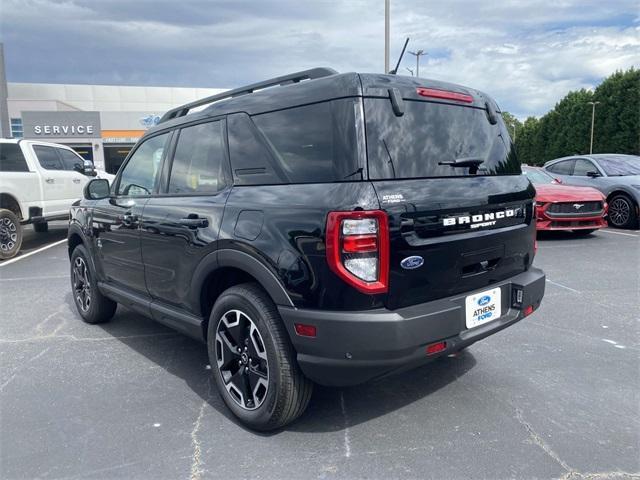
pixel 284 227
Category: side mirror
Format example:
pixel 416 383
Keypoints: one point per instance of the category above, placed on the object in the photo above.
pixel 97 189
pixel 593 174
pixel 557 180
pixel 88 169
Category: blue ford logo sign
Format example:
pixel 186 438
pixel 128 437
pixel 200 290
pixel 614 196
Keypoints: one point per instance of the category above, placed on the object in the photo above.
pixel 150 120
pixel 411 263
pixel 484 300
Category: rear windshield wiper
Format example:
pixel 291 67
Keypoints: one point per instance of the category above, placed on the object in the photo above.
pixel 463 162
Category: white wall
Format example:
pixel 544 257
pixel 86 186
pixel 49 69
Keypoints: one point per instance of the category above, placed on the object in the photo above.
pixel 104 98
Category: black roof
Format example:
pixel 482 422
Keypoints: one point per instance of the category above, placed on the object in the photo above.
pixel 327 86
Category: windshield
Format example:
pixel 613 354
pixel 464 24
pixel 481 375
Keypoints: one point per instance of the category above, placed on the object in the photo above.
pixel 620 165
pixel 538 177
pixel 429 137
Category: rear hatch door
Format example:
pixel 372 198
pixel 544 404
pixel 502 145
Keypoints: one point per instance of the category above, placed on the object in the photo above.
pixel 453 228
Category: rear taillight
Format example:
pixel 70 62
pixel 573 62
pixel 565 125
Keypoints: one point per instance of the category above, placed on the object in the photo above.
pixel 358 249
pixel 444 94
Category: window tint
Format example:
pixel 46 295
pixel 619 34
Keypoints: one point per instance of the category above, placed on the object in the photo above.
pixel 582 167
pixel 48 157
pixel 11 158
pixel 562 168
pixel 313 143
pixel 428 134
pixel 142 169
pixel 537 176
pixel 199 159
pixel 250 156
pixel 70 160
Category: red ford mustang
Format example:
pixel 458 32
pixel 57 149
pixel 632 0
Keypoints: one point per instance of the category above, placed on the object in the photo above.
pixel 563 207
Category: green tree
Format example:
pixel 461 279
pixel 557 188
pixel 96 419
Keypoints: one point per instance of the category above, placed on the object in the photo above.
pixel 566 129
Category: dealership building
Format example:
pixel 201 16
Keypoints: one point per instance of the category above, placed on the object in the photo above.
pixel 100 122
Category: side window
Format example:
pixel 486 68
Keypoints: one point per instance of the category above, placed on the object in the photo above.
pixel 313 143
pixel 12 159
pixel 48 157
pixel 70 160
pixel 142 169
pixel 563 168
pixel 199 160
pixel 583 166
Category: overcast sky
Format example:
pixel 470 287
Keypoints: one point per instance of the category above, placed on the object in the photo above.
pixel 527 55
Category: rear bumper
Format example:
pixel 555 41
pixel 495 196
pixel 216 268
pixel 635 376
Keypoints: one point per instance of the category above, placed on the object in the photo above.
pixel 353 347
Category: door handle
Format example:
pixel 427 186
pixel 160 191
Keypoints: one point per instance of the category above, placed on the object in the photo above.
pixel 49 180
pixel 76 180
pixel 194 222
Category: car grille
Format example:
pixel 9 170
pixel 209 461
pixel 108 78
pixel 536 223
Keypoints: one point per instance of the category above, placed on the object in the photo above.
pixel 575 209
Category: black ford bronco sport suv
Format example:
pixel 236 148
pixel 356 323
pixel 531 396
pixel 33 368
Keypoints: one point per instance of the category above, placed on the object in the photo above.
pixel 316 227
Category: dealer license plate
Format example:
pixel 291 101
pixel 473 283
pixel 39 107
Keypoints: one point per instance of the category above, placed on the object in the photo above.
pixel 483 307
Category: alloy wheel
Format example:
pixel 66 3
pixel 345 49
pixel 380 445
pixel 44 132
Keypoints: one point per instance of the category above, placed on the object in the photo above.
pixel 619 212
pixel 8 234
pixel 241 358
pixel 81 284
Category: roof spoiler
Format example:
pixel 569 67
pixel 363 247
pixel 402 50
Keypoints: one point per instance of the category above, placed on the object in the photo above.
pixel 310 74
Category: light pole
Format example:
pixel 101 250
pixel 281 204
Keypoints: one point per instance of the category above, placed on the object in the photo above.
pixel 418 54
pixel 386 36
pixel 593 117
pixel 410 71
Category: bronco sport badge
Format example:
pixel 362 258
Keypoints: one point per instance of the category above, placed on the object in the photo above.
pixel 482 220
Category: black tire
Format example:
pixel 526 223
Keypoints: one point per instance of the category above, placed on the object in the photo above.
pixel 287 391
pixel 584 232
pixel 10 234
pixel 41 227
pixel 622 212
pixel 92 306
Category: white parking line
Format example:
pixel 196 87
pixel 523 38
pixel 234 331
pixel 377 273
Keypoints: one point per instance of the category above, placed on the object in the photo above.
pixel 619 233
pixel 13 260
pixel 563 286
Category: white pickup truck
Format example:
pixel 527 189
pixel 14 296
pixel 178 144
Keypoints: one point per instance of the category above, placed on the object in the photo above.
pixel 38 182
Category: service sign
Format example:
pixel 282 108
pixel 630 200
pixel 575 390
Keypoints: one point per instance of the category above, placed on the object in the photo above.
pixel 52 125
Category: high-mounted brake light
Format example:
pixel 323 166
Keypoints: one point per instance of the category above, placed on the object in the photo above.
pixel 358 249
pixel 444 94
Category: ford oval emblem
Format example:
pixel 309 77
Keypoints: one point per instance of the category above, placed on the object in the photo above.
pixel 411 263
pixel 484 300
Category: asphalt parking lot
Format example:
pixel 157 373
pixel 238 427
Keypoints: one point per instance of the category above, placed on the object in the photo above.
pixel 555 396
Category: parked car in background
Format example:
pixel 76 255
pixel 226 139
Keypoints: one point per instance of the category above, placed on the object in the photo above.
pixel 617 176
pixel 38 183
pixel 563 207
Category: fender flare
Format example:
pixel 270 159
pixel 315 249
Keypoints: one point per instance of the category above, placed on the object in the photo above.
pixel 242 261
pixel 76 230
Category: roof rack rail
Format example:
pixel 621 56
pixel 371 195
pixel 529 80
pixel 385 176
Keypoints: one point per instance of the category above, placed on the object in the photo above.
pixel 310 74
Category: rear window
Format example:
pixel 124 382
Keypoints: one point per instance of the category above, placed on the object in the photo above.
pixel 11 158
pixel 308 144
pixel 620 165
pixel 427 134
